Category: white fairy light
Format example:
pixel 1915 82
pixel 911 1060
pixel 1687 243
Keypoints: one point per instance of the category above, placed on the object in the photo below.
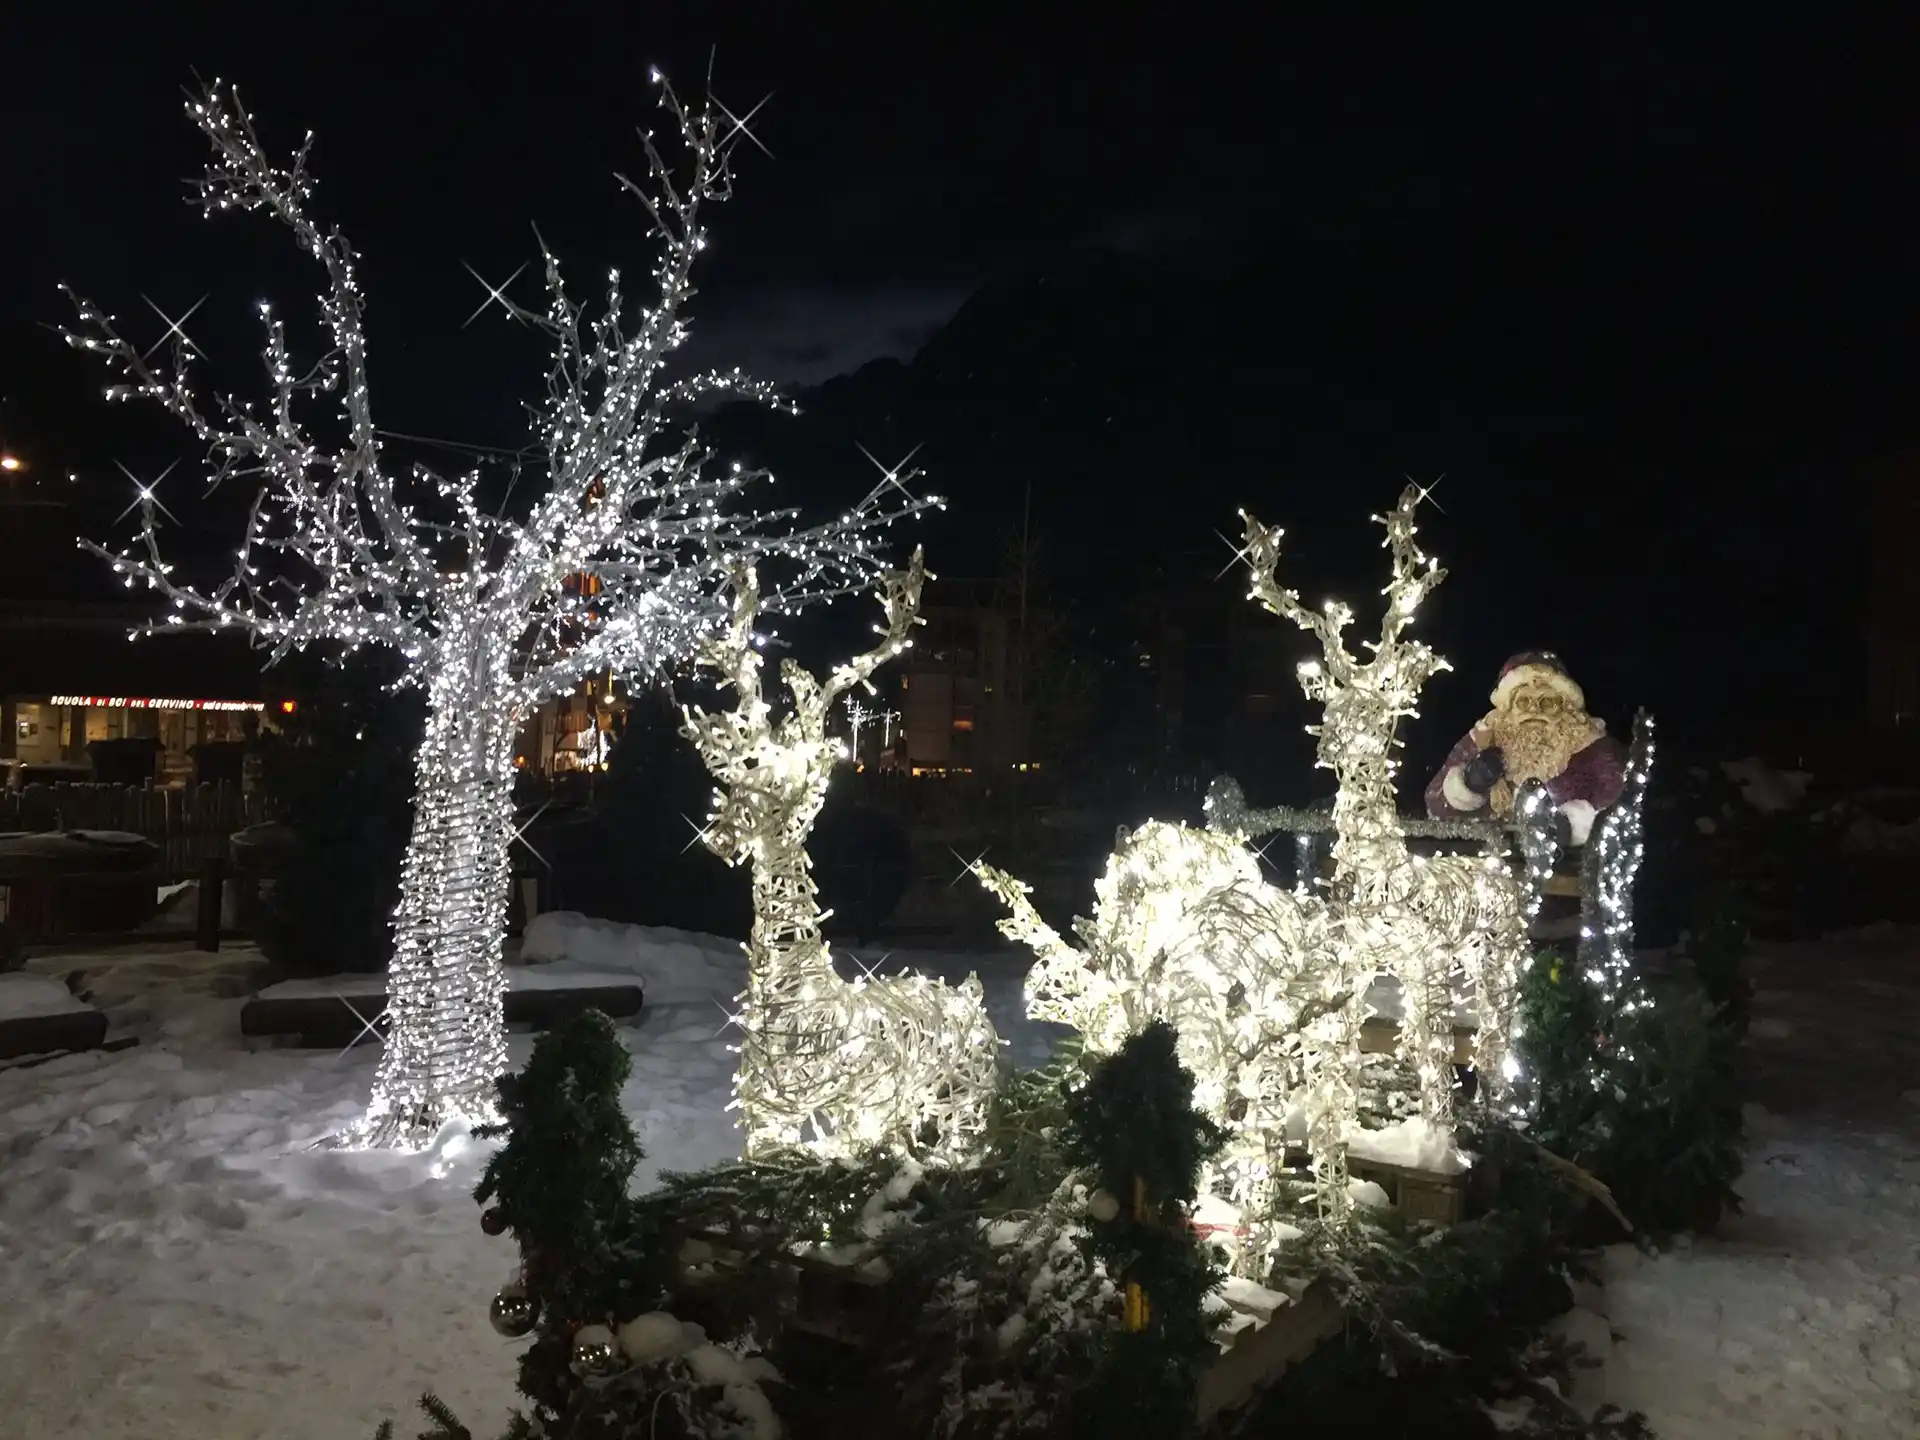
pixel 621 564
pixel 1613 860
pixel 857 716
pixel 834 1066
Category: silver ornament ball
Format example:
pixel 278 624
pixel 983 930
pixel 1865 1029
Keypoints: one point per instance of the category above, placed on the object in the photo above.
pixel 1104 1205
pixel 595 1351
pixel 514 1311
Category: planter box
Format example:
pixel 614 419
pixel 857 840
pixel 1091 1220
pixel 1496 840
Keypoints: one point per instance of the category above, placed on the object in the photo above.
pixel 849 1307
pixel 78 882
pixel 1416 1194
pixel 1258 1357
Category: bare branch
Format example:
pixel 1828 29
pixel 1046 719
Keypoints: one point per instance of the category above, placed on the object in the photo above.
pixel 628 559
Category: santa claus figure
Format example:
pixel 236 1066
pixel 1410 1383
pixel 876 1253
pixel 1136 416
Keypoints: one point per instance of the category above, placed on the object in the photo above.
pixel 1538 729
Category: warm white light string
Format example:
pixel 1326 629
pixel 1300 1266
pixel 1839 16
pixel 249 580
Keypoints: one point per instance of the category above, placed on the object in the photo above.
pixel 834 1066
pixel 342 549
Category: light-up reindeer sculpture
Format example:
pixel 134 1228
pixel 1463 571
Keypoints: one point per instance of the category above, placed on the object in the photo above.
pixel 836 1066
pixel 1426 920
pixel 1184 929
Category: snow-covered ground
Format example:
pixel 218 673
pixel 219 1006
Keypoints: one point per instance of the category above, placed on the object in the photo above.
pixel 1801 1317
pixel 178 1262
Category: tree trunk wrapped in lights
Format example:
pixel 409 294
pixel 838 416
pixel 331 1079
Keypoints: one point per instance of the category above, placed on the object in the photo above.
pixel 447 980
pixel 620 563
pixel 835 1066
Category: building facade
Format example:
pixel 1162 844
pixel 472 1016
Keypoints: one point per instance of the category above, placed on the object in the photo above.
pixel 960 706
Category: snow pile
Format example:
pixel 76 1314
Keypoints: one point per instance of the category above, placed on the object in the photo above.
pixel 1241 1304
pixel 675 966
pixel 681 1359
pixel 1800 1318
pixel 195 1268
pixel 198 1268
pixel 1766 789
pixel 1412 1144
pixel 24 995
pixel 1870 835
pixel 1369 1195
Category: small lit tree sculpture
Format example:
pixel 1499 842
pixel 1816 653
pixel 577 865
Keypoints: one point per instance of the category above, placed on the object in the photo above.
pixel 833 1065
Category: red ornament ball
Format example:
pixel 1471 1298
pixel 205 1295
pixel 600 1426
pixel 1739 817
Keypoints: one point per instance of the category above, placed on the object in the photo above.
pixel 492 1221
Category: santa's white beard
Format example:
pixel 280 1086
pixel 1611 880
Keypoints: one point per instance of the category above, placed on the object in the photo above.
pixel 1538 749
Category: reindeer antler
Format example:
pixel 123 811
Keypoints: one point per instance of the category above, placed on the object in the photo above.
pixel 732 652
pixel 899 592
pixel 1324 624
pixel 1415 573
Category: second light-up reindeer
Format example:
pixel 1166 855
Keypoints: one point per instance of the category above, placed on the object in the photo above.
pixel 832 1065
pixel 1291 971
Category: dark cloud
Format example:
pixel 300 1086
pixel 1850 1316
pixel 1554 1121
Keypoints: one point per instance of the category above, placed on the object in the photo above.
pixel 1154 234
pixel 800 335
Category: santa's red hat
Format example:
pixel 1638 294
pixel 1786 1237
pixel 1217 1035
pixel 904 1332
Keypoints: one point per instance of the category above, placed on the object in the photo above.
pixel 1537 665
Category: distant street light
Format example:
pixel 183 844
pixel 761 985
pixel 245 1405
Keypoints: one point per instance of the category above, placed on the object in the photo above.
pixel 11 463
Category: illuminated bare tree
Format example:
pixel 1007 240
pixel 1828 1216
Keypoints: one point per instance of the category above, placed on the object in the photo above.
pixel 620 563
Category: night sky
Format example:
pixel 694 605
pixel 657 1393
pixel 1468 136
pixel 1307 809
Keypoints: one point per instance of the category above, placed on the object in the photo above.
pixel 1642 290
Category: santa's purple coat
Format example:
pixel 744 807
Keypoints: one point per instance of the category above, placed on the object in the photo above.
pixel 1591 782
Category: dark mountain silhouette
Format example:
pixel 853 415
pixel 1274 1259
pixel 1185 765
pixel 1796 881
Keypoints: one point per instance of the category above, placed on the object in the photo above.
pixel 1592 504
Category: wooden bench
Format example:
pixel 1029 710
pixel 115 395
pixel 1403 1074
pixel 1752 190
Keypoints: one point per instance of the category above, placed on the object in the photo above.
pixel 38 1016
pixel 335 1011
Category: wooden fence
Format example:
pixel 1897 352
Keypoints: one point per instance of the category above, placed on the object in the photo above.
pixel 191 825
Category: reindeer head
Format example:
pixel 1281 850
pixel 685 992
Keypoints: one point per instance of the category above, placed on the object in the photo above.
pixel 1364 700
pixel 772 774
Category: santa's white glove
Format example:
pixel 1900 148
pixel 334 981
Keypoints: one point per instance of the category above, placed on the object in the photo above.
pixel 1580 815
